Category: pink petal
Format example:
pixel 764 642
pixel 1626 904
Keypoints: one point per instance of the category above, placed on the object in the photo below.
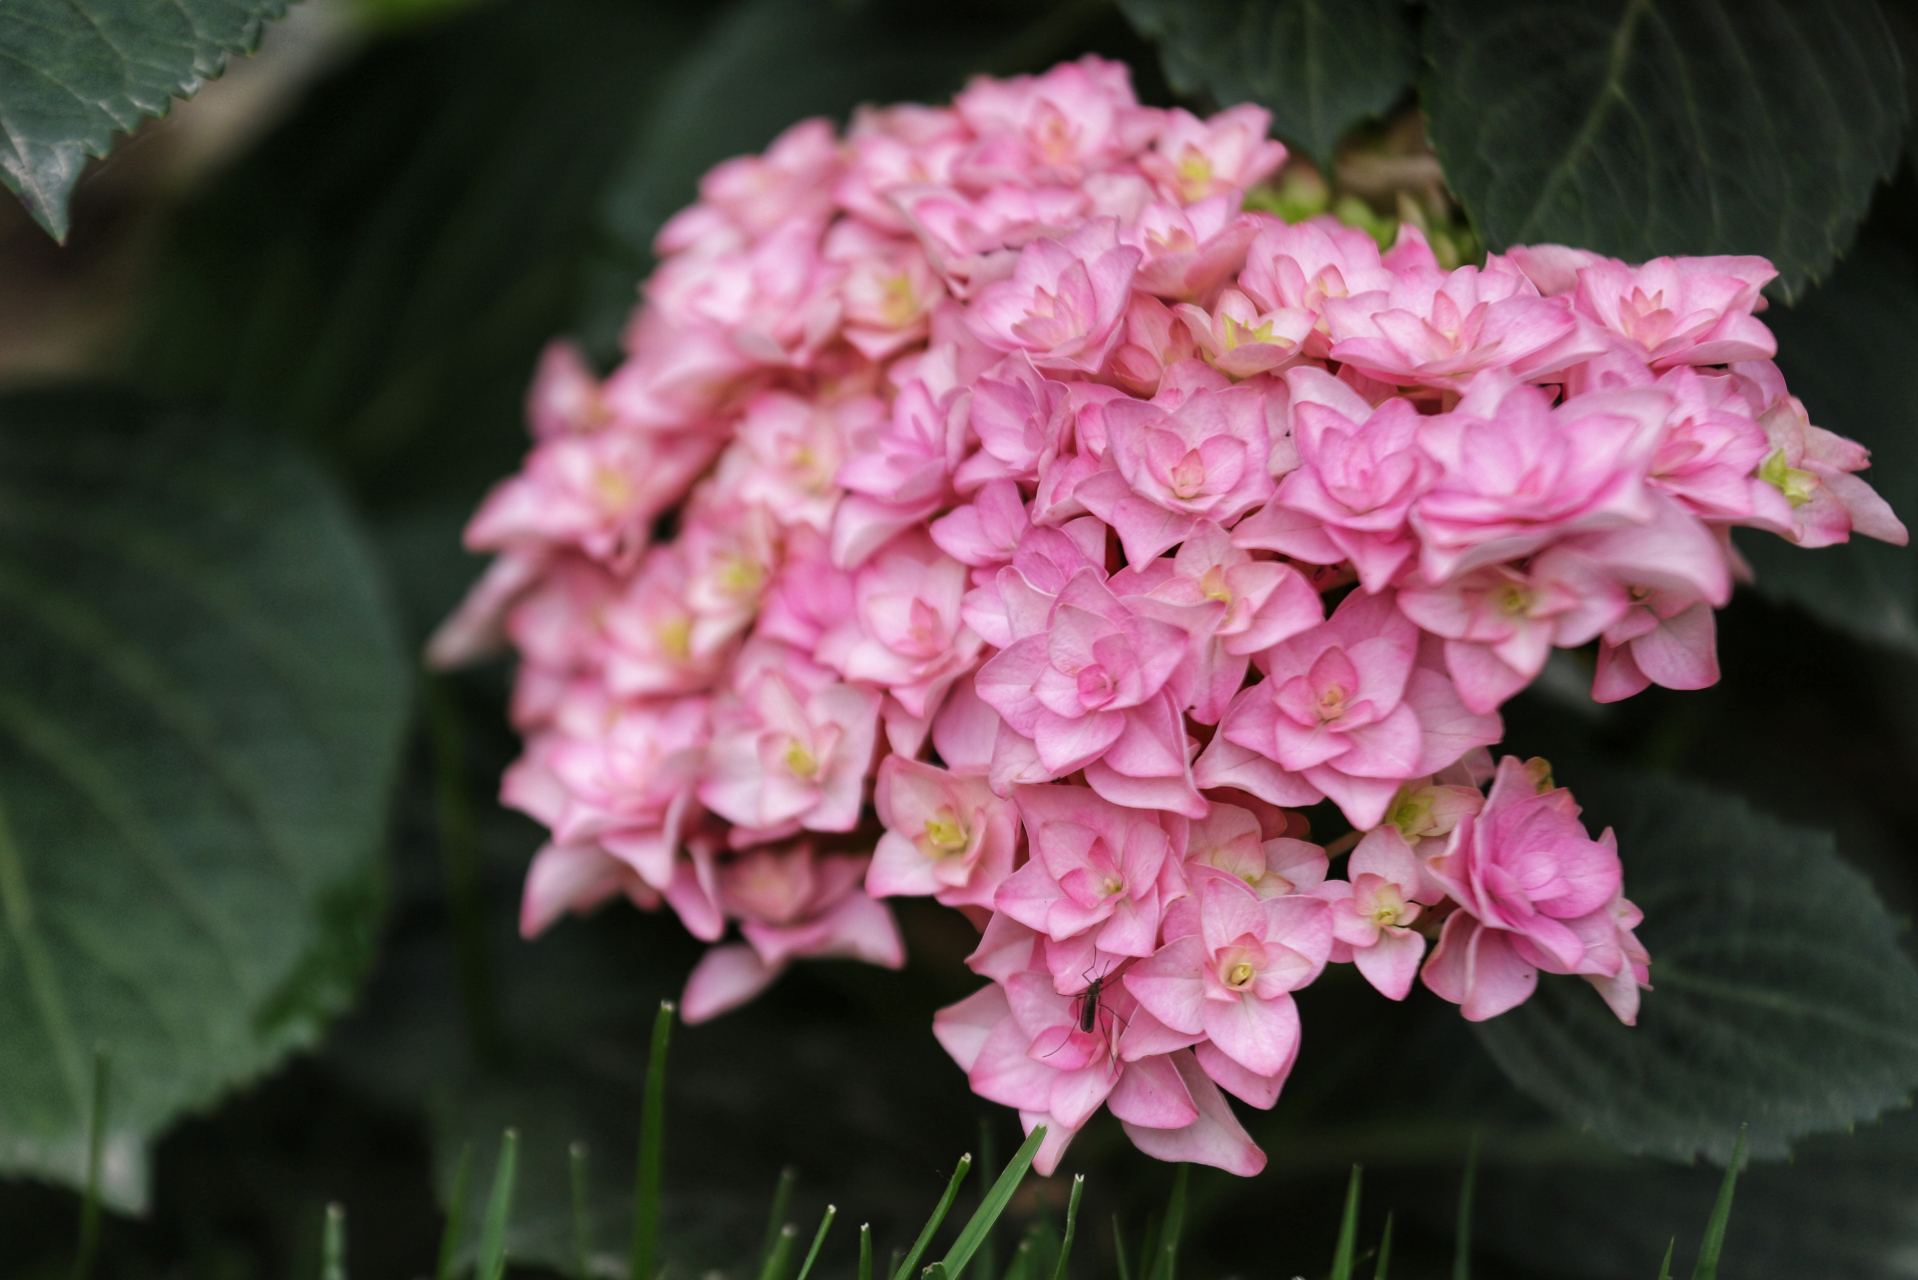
pixel 725 978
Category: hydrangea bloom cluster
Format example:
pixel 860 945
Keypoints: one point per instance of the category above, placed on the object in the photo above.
pixel 990 508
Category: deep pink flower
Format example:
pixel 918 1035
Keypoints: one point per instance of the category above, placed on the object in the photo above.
pixel 1014 411
pixel 986 532
pixel 1535 891
pixel 1064 302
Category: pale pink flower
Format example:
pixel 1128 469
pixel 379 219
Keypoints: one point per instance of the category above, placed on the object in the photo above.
pixel 889 290
pixel 1517 474
pixel 678 378
pixel 894 147
pixel 1094 682
pixel 986 532
pixel 649 631
pixel 1064 302
pixel 1535 891
pixel 788 450
pixel 576 878
pixel 1674 311
pixel 1155 339
pixel 1233 840
pixel 599 492
pixel 1349 710
pixel 1189 252
pixel 565 396
pixel 790 751
pixel 1265 602
pixel 1229 966
pixel 731 550
pixel 1096 868
pixel 1193 159
pixel 1239 340
pixel 899 471
pixel 1017 601
pixel 1360 470
pixel 791 903
pixel 1711 450
pixel 1297 267
pixel 972 241
pixel 809 595
pixel 947 835
pixel 791 181
pixel 1814 470
pixel 1015 413
pixel 905 633
pixel 1201 459
pixel 1437 329
pixel 1373 911
pixel 556 622
pixel 1054 127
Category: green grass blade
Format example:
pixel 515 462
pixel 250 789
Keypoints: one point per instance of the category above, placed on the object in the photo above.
pixel 989 1168
pixel 776 1220
pixel 89 1242
pixel 582 1213
pixel 819 1238
pixel 1118 1250
pixel 1149 1248
pixel 333 1244
pixel 652 1147
pixel 1462 1257
pixel 1385 1250
pixel 991 1205
pixel 1665 1267
pixel 1163 1261
pixel 1348 1229
pixel 499 1208
pixel 939 1212
pixel 455 1216
pixel 1714 1241
pixel 1072 1225
pixel 779 1261
pixel 865 1251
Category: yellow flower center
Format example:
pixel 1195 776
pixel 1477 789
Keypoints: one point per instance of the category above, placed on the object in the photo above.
pixel 1238 976
pixel 800 762
pixel 945 834
pixel 1796 485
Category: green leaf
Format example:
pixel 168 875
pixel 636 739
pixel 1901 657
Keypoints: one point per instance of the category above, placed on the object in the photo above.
pixel 1647 127
pixel 200 705
pixel 1318 66
pixel 1781 994
pixel 75 72
pixel 1849 350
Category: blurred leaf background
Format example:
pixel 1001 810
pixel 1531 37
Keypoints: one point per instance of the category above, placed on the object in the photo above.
pixel 255 854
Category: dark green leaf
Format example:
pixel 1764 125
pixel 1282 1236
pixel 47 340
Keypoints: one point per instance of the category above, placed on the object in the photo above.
pixel 200 704
pixel 1781 995
pixel 1849 350
pixel 75 72
pixel 1320 67
pixel 1647 127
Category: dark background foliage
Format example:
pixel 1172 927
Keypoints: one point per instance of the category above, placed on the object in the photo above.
pixel 236 824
